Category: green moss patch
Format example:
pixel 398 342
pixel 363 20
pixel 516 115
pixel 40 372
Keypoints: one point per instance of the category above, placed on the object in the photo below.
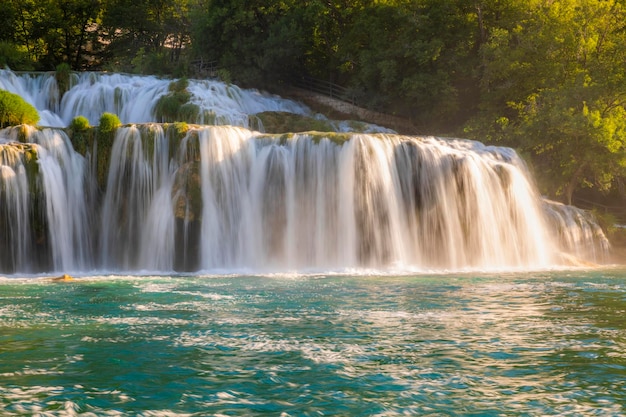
pixel 14 110
pixel 283 122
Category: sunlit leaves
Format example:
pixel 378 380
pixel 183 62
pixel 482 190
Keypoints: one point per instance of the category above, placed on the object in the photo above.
pixel 556 76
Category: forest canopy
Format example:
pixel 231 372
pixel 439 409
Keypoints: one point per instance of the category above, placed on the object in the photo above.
pixel 546 77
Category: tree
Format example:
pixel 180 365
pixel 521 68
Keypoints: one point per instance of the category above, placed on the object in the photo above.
pixel 152 32
pixel 553 85
pixel 53 31
pixel 259 42
pixel 414 57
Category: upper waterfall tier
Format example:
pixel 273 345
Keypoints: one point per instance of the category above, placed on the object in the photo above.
pixel 227 198
pixel 134 97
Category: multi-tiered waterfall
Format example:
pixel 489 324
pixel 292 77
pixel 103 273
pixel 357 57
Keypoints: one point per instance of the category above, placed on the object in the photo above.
pixel 229 198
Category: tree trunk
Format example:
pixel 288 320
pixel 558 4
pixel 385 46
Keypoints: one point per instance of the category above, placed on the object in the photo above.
pixel 572 183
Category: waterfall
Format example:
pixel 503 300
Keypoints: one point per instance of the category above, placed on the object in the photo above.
pixel 227 198
pixel 577 232
pixel 224 197
pixel 40 90
pixel 137 216
pixel 133 98
pixel 14 207
pixel 43 183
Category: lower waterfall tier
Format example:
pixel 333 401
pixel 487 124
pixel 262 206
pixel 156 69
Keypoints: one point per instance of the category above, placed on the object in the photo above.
pixel 222 198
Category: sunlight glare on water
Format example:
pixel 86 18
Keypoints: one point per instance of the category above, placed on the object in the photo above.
pixel 542 343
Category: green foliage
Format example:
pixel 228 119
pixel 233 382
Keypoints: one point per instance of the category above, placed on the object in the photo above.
pixel 109 122
pixel 80 134
pixel 14 110
pixel 79 124
pixel 157 62
pixel 53 31
pixel 150 35
pixel 179 86
pixel 224 75
pixel 188 112
pixel 258 42
pixel 169 106
pixel 14 57
pixel 545 77
pixel 282 122
pixel 552 84
pixel 63 76
pixel 174 106
pixel 179 128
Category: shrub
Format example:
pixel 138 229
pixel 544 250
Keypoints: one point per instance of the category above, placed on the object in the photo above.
pixel 179 85
pixel 189 112
pixel 79 124
pixel 224 75
pixel 173 107
pixel 108 123
pixel 14 110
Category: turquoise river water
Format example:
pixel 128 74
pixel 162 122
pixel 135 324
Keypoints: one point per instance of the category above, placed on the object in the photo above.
pixel 510 344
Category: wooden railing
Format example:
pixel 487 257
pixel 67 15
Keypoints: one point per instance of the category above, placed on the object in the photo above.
pixel 326 88
pixel 205 67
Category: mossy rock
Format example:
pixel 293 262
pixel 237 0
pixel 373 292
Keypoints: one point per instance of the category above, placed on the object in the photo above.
pixel 179 129
pixel 338 138
pixel 175 133
pixel 283 122
pixel 14 110
pixel 95 142
pixel 25 153
pixel 63 76
pixel 187 192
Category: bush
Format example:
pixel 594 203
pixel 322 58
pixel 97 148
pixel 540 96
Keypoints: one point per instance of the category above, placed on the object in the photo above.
pixel 79 124
pixel 174 107
pixel 14 110
pixel 108 123
pixel 179 85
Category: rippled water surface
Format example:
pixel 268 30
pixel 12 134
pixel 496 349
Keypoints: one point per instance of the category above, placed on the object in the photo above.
pixel 547 343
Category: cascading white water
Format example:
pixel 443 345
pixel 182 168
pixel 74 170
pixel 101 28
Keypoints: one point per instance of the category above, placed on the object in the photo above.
pixel 63 174
pixel 225 197
pixel 38 89
pixel 57 179
pixel 133 98
pixel 137 217
pixel 14 209
pixel 231 198
pixel 370 201
pixel 578 234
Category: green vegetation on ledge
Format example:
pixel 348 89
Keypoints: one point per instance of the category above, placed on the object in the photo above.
pixel 14 110
pixel 283 122
pixel 105 135
pixel 175 106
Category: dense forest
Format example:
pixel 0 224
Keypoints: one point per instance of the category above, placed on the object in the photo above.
pixel 547 77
